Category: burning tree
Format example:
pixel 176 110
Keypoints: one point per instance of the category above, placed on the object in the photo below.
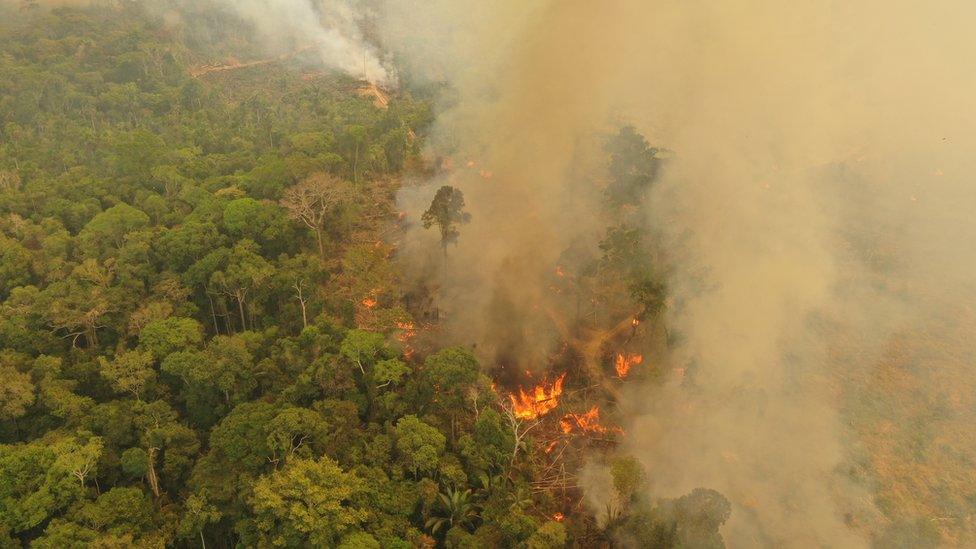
pixel 447 212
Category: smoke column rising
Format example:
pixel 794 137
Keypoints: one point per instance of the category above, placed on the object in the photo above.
pixel 332 27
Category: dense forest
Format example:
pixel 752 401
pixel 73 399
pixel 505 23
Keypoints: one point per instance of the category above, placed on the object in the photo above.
pixel 203 335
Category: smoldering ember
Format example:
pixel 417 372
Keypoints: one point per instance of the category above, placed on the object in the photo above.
pixel 385 273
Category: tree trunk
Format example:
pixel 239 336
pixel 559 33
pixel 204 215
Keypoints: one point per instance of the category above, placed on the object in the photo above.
pixel 318 236
pixel 355 165
pixel 151 473
pixel 213 314
pixel 240 307
pixel 92 336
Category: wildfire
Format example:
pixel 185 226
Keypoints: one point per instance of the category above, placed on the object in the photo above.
pixel 551 446
pixel 559 271
pixel 539 401
pixel 635 323
pixel 623 363
pixel 558 517
pixel 369 302
pixel 588 422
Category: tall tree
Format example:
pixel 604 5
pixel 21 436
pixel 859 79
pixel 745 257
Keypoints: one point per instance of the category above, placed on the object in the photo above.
pixel 244 272
pixel 447 212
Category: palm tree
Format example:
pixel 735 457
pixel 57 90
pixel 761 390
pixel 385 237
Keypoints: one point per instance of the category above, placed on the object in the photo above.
pixel 457 509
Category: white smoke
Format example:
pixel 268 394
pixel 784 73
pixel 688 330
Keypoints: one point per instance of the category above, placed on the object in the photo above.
pixel 333 28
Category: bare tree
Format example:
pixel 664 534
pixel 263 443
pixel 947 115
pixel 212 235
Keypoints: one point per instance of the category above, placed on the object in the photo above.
pixel 302 300
pixel 520 428
pixel 314 200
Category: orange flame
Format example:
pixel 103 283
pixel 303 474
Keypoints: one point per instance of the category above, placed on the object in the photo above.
pixel 623 363
pixel 635 323
pixel 559 271
pixel 369 302
pixel 551 445
pixel 539 401
pixel 587 423
pixel 558 517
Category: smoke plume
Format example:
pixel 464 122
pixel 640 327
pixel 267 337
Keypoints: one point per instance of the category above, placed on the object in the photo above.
pixel 816 203
pixel 333 28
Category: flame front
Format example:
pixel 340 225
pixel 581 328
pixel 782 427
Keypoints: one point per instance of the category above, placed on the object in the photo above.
pixel 369 302
pixel 539 401
pixel 623 363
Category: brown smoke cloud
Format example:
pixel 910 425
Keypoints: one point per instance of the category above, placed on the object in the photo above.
pixel 818 199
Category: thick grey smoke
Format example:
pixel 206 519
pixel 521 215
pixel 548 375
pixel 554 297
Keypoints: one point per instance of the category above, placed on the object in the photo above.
pixel 818 201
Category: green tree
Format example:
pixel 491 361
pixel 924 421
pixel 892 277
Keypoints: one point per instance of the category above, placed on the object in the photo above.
pixel 197 514
pixel 419 445
pixel 119 511
pixel 261 221
pixel 551 535
pixel 244 273
pixel 129 371
pixel 181 246
pixel 359 540
pixel 108 230
pixel 628 477
pixel 457 509
pixel 17 392
pixel 34 485
pixel 166 336
pixel 363 349
pixel 453 374
pixel 297 432
pixel 307 504
pixel 15 266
